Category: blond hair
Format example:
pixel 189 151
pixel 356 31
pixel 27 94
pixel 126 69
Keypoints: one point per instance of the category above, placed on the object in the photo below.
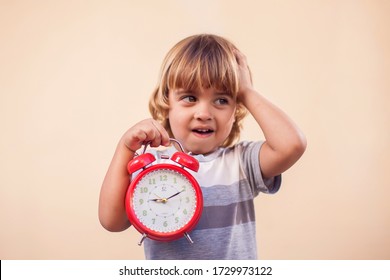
pixel 198 61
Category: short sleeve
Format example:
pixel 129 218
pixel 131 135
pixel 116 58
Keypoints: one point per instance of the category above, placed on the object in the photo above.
pixel 249 153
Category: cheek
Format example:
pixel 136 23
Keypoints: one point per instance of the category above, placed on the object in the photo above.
pixel 231 118
pixel 176 119
pixel 227 123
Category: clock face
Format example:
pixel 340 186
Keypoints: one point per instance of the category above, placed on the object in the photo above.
pixel 164 200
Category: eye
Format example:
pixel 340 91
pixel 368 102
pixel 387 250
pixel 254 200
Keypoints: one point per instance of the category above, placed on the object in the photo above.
pixel 222 101
pixel 188 98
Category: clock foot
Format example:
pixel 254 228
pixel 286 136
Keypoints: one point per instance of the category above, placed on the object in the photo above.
pixel 142 239
pixel 188 238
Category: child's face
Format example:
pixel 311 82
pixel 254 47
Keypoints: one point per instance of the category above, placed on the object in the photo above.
pixel 201 120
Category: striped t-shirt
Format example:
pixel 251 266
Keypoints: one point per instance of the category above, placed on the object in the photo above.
pixel 230 179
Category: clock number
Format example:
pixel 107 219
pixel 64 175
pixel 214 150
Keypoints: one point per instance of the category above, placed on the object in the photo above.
pixel 187 199
pixel 165 224
pixel 153 221
pixel 163 178
pixel 141 201
pixel 174 180
pixel 185 212
pixel 144 189
pixel 152 181
pixel 145 213
pixel 176 220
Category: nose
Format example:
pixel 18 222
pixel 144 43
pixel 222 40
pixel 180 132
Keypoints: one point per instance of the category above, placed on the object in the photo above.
pixel 203 112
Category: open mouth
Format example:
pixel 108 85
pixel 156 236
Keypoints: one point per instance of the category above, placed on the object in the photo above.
pixel 203 131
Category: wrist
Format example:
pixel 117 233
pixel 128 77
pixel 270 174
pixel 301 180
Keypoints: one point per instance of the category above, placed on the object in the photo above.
pixel 246 96
pixel 127 148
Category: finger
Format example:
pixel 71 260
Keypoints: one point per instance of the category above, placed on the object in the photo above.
pixel 141 138
pixel 143 135
pixel 155 138
pixel 133 139
pixel 164 136
pixel 152 137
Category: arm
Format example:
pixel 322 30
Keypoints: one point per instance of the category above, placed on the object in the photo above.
pixel 112 212
pixel 284 142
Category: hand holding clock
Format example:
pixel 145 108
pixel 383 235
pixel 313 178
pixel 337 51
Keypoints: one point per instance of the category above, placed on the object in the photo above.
pixel 146 131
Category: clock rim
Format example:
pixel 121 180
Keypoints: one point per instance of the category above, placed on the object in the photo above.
pixel 156 235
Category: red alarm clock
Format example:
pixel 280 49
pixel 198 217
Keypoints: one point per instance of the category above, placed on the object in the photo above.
pixel 164 201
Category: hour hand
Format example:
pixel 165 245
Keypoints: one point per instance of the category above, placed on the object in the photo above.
pixel 159 199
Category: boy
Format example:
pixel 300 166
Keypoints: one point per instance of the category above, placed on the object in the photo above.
pixel 204 92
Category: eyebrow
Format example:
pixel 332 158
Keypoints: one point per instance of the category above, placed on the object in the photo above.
pixel 217 92
pixel 223 94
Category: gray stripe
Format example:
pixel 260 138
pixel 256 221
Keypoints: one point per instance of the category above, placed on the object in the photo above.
pixel 227 194
pixel 227 215
pixel 214 244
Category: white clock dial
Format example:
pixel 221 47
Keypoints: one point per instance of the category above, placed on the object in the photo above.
pixel 164 200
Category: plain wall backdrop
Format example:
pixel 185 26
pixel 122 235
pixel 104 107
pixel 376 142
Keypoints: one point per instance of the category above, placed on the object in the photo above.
pixel 75 75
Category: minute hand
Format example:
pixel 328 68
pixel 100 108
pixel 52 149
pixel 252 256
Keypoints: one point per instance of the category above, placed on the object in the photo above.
pixel 174 195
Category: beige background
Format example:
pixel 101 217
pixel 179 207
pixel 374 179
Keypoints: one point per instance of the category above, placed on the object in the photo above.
pixel 74 75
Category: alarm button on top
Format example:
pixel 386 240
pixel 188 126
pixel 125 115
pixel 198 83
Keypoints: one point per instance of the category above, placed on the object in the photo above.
pixel 140 162
pixel 186 161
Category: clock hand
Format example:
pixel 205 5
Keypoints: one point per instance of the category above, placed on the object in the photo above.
pixel 174 195
pixel 156 199
pixel 159 199
pixel 164 200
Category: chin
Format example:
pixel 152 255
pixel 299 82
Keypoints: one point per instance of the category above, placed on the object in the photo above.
pixel 200 146
pixel 196 150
